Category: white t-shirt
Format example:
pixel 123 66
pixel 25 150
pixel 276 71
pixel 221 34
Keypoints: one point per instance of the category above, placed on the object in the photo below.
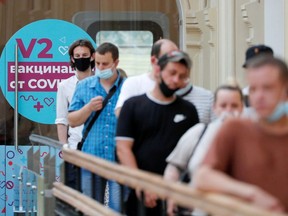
pixel 140 84
pixel 64 96
pixel 134 86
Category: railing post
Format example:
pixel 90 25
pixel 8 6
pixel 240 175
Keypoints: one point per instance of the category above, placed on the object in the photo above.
pixel 78 179
pixel 103 183
pixel 141 205
pixel 93 186
pixel 122 199
pixel 66 173
pixel 164 207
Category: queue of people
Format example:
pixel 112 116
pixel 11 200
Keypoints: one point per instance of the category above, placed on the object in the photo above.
pixel 162 123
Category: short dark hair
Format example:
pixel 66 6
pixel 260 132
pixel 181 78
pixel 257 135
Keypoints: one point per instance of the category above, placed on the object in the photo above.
pixel 108 47
pixel 230 88
pixel 156 48
pixel 84 43
pixel 264 60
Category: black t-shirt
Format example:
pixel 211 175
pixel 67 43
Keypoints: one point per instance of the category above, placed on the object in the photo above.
pixel 155 128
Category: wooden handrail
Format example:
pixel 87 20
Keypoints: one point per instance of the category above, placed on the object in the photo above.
pixel 81 202
pixel 182 194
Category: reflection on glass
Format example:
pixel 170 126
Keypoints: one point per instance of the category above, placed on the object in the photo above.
pixel 26 186
pixel 33 181
pixel 134 49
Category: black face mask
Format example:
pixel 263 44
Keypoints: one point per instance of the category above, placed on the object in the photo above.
pixel 167 92
pixel 82 64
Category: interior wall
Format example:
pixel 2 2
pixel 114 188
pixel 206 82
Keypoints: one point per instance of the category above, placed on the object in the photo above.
pixel 286 30
pixel 217 36
pixel 274 26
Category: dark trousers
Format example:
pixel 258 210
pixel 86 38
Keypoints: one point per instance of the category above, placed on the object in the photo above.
pixel 132 206
pixel 71 176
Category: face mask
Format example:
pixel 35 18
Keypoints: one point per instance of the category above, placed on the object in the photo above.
pixel 226 114
pixel 104 74
pixel 166 91
pixel 184 91
pixel 280 111
pixel 82 64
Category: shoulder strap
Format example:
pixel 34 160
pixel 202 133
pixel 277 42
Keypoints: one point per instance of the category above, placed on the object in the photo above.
pixel 198 141
pixel 97 113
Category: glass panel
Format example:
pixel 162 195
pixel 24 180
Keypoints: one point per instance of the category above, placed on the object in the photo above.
pixel 134 49
pixel 135 24
pixel 34 178
pixel 27 187
pixel 128 15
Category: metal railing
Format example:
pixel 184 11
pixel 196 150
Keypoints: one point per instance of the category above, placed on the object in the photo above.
pixel 48 196
pixel 181 194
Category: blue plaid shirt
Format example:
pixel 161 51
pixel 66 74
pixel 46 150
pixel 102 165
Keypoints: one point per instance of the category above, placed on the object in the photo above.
pixel 101 138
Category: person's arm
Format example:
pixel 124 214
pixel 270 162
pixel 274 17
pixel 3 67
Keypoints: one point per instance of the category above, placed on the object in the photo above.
pixel 62 131
pixel 61 113
pixel 125 135
pixel 127 158
pixel 125 153
pixel 209 179
pixel 213 175
pixel 172 174
pixel 78 117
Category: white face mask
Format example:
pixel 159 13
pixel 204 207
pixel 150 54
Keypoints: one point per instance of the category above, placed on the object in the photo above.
pixel 104 74
pixel 226 114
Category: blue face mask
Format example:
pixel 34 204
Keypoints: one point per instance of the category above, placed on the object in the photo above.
pixel 184 91
pixel 280 111
pixel 104 74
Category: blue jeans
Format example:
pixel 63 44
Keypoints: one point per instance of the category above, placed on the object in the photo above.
pixel 114 189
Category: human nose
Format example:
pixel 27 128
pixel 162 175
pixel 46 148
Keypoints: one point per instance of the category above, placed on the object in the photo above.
pixel 256 96
pixel 179 80
pixel 100 67
pixel 229 109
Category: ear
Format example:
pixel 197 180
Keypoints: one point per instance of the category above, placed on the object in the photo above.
pixel 116 63
pixel 92 56
pixel 72 59
pixel 157 71
pixel 153 60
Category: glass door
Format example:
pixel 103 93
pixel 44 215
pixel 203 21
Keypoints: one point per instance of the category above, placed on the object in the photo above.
pixel 34 39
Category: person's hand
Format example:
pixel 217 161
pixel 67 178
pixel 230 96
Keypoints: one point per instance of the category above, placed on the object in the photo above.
pixel 150 198
pixel 265 200
pixel 96 103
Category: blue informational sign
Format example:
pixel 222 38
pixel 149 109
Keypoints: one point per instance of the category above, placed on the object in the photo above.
pixel 43 62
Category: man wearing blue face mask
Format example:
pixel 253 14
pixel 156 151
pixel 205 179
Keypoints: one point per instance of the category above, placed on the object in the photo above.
pixel 248 159
pixel 87 100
